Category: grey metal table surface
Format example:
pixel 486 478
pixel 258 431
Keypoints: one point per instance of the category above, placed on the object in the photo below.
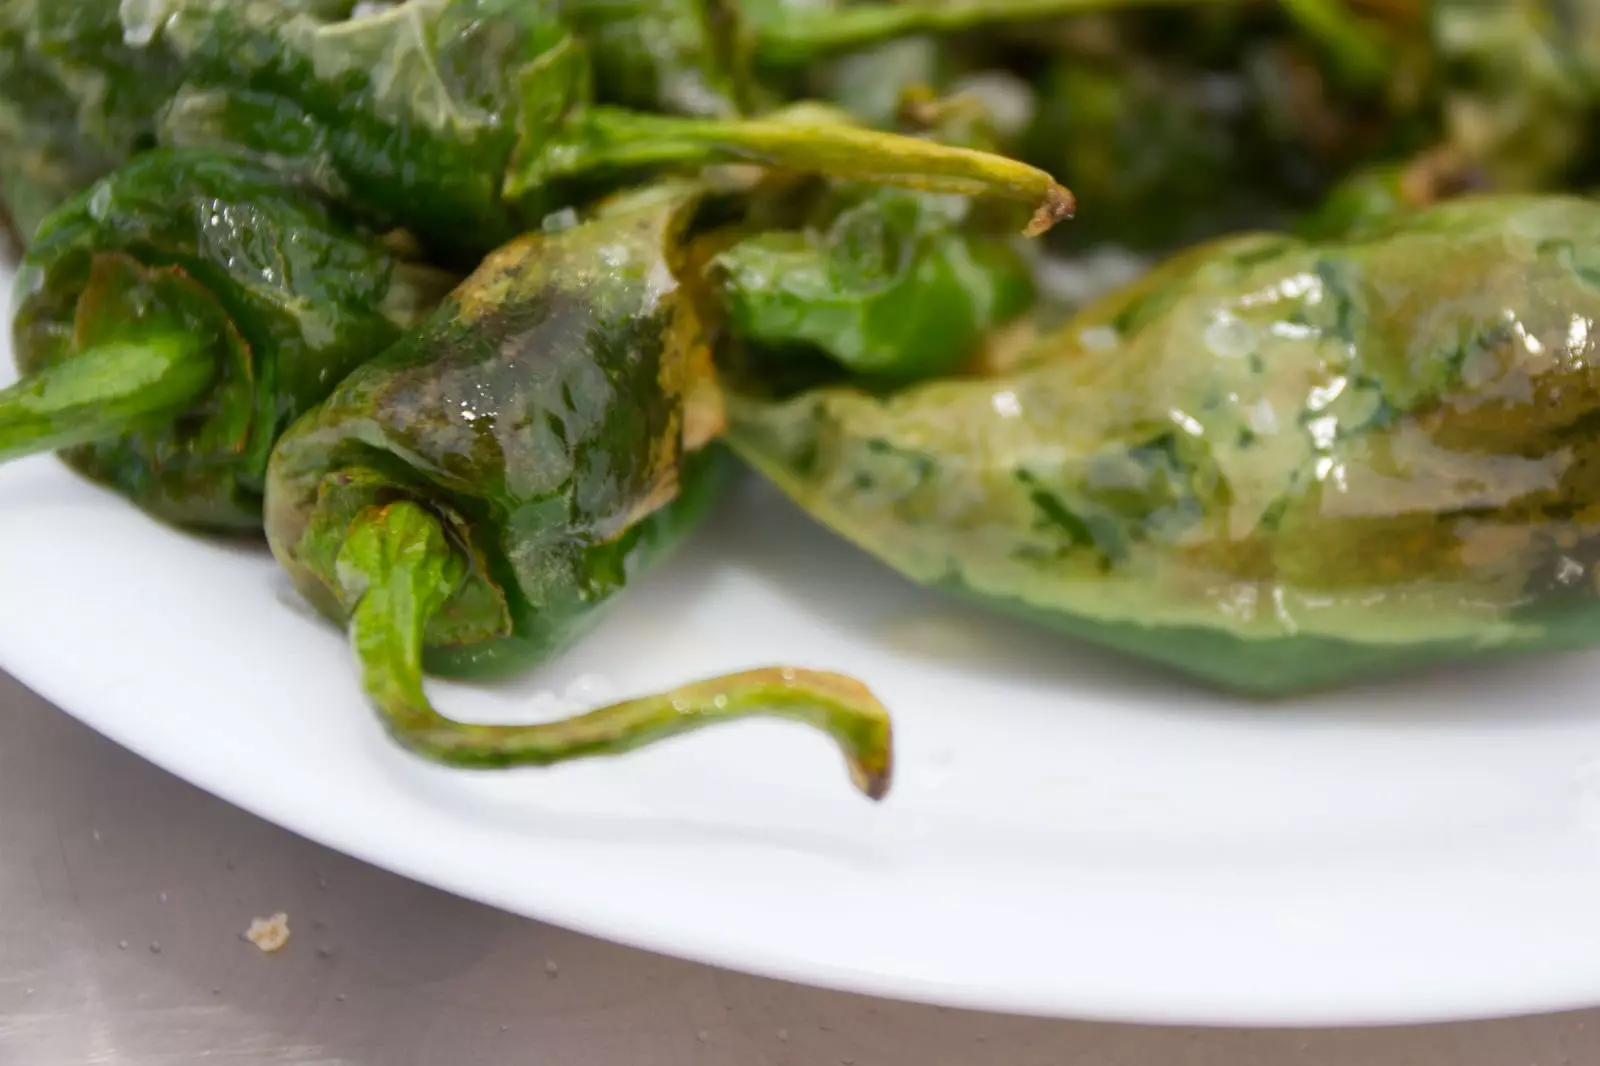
pixel 124 891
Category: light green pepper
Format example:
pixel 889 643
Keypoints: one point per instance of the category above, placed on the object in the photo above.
pixel 1273 465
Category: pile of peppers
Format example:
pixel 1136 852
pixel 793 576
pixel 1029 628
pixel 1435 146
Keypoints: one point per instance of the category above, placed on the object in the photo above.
pixel 470 309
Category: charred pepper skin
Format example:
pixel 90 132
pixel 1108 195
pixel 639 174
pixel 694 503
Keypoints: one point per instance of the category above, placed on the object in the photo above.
pixel 272 294
pixel 1275 465
pixel 544 399
pixel 472 502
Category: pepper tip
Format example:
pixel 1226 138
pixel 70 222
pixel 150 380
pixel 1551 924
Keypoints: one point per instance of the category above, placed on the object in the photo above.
pixel 1059 205
pixel 874 777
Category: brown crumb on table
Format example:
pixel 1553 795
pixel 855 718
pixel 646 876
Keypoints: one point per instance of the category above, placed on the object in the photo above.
pixel 269 934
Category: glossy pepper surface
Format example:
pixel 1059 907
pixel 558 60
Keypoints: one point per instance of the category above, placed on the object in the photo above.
pixel 176 317
pixel 1274 465
pixel 473 500
pixel 466 121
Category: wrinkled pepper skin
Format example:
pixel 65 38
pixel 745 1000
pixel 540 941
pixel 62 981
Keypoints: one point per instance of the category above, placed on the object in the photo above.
pixel 544 406
pixel 1275 466
pixel 276 294
pixel 80 93
pixel 467 121
pixel 474 500
pixel 410 114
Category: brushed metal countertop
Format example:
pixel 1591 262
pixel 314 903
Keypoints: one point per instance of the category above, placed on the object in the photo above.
pixel 124 891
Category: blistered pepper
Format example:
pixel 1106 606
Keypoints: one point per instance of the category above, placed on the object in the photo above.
pixel 471 502
pixel 80 94
pixel 467 121
pixel 1273 465
pixel 177 316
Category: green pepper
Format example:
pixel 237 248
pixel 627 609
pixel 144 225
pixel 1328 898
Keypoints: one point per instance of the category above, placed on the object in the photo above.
pixel 79 94
pixel 44 159
pixel 176 317
pixel 1167 146
pixel 1521 84
pixel 1373 197
pixel 471 501
pixel 466 121
pixel 679 56
pixel 723 57
pixel 891 284
pixel 1275 465
pixel 45 155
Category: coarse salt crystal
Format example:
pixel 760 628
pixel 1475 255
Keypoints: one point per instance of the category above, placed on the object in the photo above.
pixel 269 934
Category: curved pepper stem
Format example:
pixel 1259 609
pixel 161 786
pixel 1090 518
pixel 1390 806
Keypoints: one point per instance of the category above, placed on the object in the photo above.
pixel 397 568
pixel 103 392
pixel 610 137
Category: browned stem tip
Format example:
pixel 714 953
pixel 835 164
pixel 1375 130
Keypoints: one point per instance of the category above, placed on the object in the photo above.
pixel 849 710
pixel 873 780
pixel 1059 205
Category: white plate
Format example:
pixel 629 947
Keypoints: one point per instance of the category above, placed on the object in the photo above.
pixel 1069 834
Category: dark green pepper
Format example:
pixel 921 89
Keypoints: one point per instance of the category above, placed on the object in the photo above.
pixel 1273 465
pixel 470 502
pixel 176 317
pixel 1166 148
pixel 466 121
pixel 45 156
pixel 722 57
pixel 679 56
pixel 79 93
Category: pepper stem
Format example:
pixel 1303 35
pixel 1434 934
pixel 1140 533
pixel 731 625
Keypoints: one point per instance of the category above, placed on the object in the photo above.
pixel 804 33
pixel 101 392
pixel 610 137
pixel 397 568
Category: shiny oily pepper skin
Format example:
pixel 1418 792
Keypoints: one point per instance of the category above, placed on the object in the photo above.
pixel 174 319
pixel 467 121
pixel 475 499
pixel 1273 465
